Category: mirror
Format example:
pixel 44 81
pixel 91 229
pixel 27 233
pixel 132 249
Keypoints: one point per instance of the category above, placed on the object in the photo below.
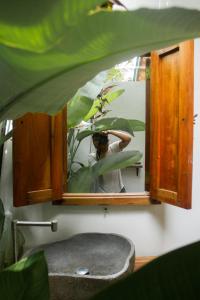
pixel 106 131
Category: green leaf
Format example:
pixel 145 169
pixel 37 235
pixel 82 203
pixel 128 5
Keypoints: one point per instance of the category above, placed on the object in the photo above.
pixel 114 74
pixel 111 96
pixel 120 123
pixel 2 218
pixel 174 275
pixel 83 180
pixel 26 279
pixel 70 136
pixel 77 108
pixel 51 54
pixel 44 27
pixel 116 161
pixel 113 123
pixel 6 137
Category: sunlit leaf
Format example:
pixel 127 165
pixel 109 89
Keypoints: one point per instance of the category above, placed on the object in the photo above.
pixel 108 98
pixel 77 108
pixel 43 27
pixel 113 123
pixel 114 74
pixel 72 50
pixel 26 279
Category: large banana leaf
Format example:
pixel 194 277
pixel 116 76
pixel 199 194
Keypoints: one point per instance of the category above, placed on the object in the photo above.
pixel 2 217
pixel 26 279
pixel 115 124
pixel 36 25
pixel 83 180
pixel 116 161
pixel 47 55
pixel 77 108
pixel 108 98
pixel 174 275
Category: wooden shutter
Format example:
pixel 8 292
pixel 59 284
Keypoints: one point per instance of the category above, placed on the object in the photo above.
pixel 171 124
pixel 38 158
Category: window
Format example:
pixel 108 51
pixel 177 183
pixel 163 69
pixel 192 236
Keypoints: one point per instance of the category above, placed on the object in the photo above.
pixel 39 143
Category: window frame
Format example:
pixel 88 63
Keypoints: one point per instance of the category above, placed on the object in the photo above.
pixel 119 199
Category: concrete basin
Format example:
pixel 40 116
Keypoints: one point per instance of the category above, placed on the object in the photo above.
pixel 84 264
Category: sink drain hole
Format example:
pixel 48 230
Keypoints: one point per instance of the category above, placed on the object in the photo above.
pixel 82 271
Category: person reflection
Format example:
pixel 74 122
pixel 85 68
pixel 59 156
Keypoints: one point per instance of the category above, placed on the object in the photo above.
pixel 112 181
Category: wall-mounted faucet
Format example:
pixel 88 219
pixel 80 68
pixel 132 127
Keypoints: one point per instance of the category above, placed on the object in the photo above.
pixel 53 224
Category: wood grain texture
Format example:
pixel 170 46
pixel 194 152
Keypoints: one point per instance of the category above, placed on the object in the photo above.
pixel 38 154
pixel 40 146
pixel 172 124
pixel 147 129
pixel 108 199
pixel 58 153
pixel 40 196
pixel 141 261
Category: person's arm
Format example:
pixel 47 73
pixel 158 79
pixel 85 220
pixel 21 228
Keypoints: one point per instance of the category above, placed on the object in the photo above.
pixel 125 137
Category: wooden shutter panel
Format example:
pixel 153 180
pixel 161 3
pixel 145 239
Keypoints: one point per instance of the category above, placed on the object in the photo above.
pixel 38 158
pixel 171 124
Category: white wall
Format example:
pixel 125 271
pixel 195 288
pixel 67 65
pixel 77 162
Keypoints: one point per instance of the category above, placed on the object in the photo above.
pixel 161 3
pixel 130 105
pixel 154 229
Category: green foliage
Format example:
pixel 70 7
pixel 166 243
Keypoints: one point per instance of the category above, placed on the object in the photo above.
pixel 77 108
pixel 82 181
pixel 113 124
pixel 83 108
pixel 114 74
pixel 107 99
pixel 26 279
pixel 172 276
pixel 47 55
pixel 2 218
pixel 116 161
pixel 40 30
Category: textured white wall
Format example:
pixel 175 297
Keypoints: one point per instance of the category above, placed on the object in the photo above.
pixel 154 229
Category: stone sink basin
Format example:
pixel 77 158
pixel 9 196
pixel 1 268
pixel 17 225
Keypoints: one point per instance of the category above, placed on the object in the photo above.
pixel 84 264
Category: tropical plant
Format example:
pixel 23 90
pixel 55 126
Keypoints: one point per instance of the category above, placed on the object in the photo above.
pixel 81 180
pixel 47 55
pixel 26 279
pixel 174 275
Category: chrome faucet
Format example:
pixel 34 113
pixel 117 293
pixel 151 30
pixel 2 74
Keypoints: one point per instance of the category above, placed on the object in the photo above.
pixel 53 224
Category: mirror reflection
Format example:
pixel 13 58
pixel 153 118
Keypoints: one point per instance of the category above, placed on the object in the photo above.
pixel 106 132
